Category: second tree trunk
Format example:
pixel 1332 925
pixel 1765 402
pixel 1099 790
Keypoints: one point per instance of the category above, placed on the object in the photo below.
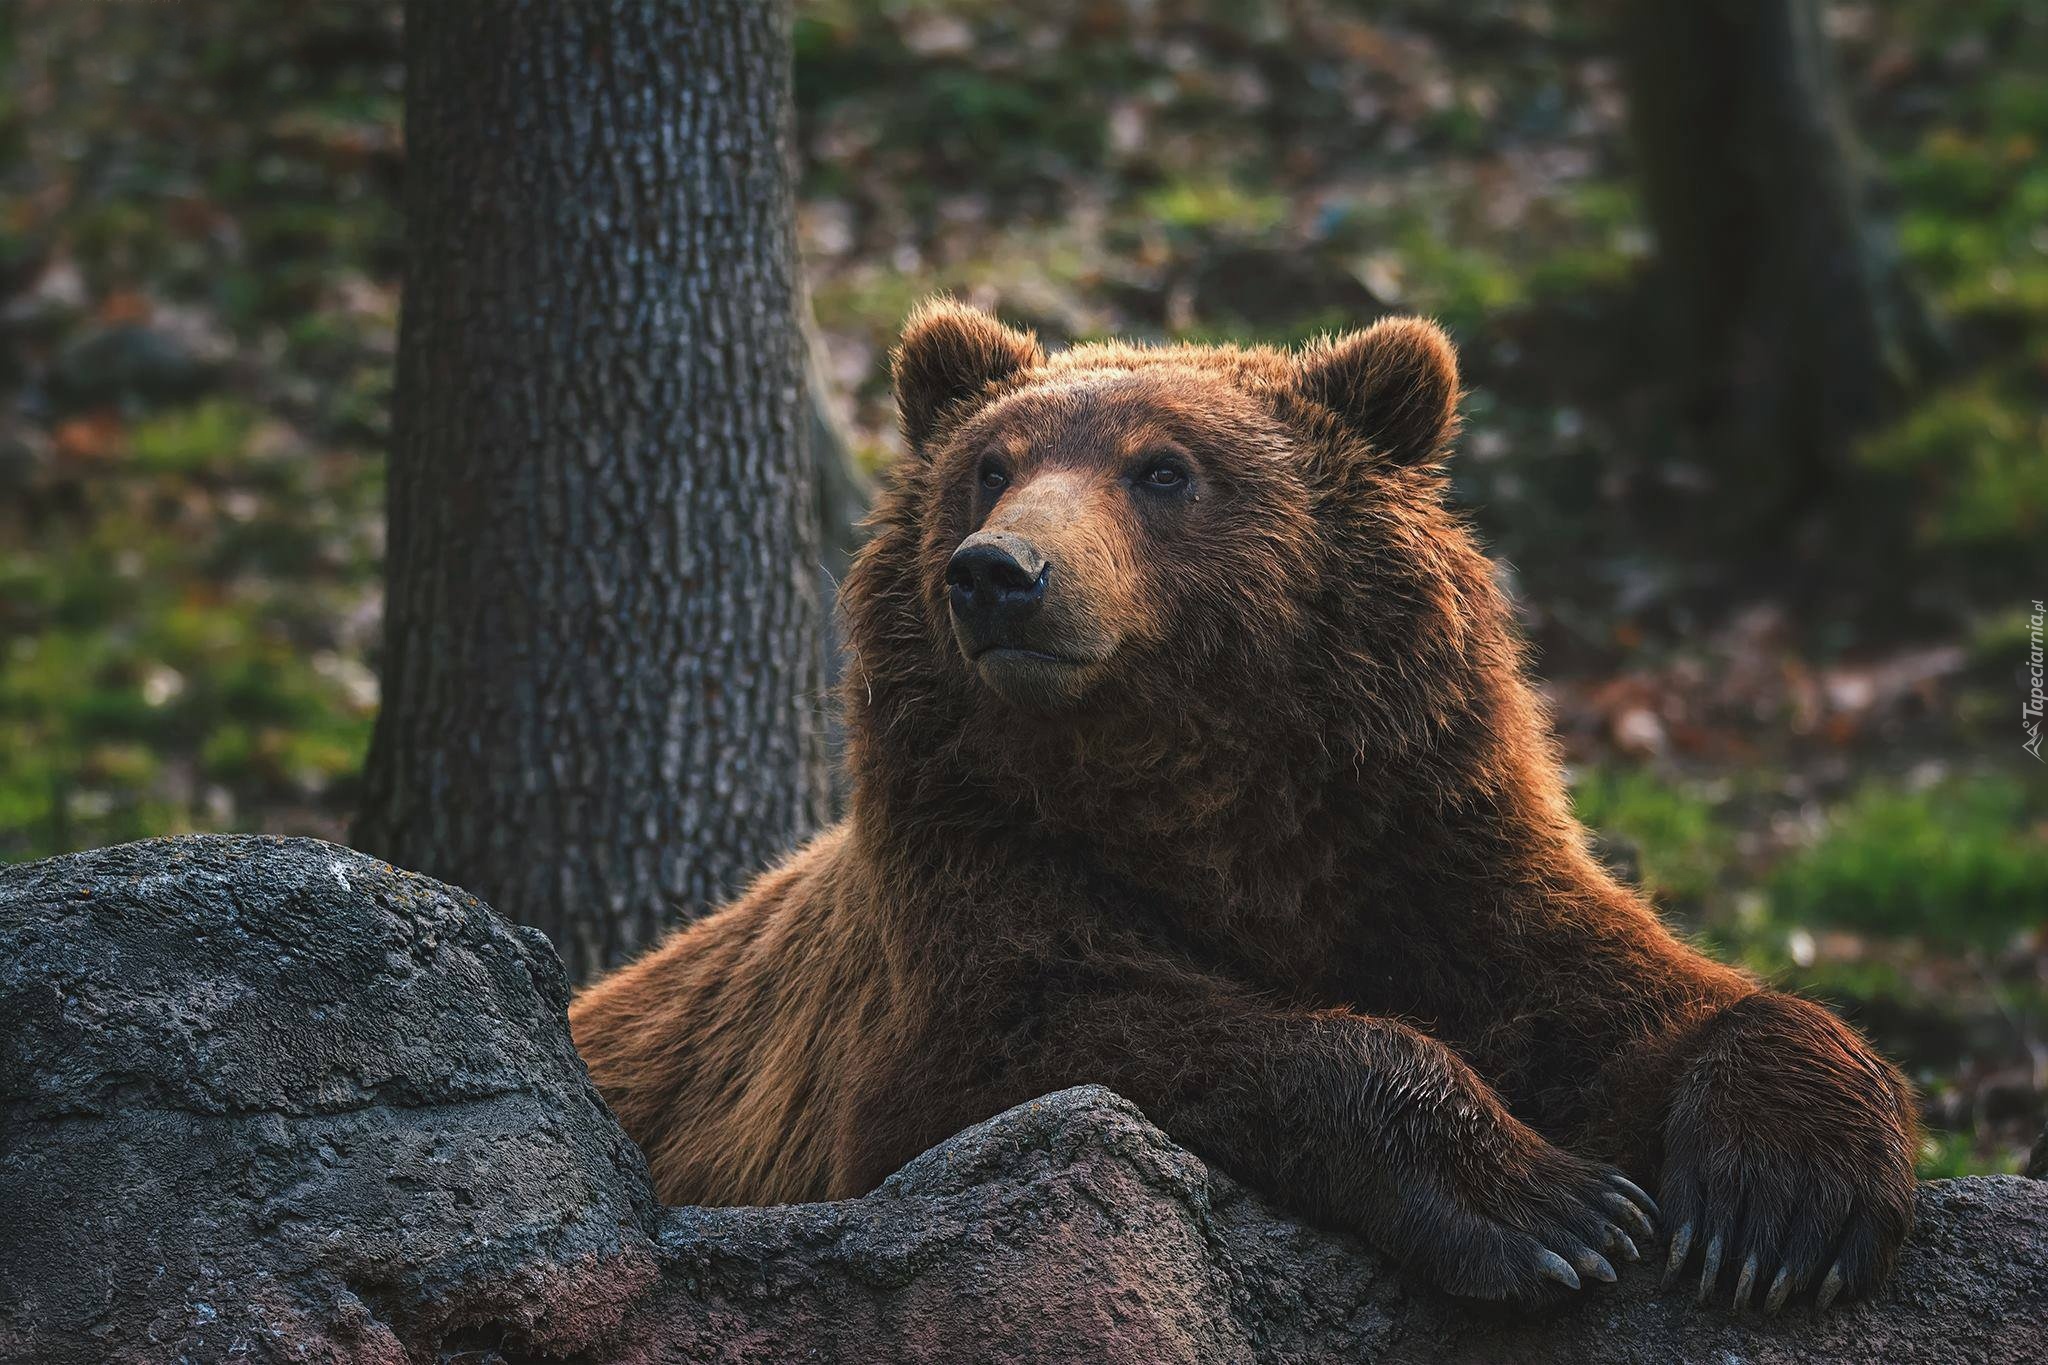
pixel 1794 329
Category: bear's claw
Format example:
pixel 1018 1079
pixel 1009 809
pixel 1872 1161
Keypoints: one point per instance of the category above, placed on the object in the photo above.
pixel 1745 1282
pixel 1681 1248
pixel 1762 1253
pixel 1538 1237
pixel 1590 1262
pixel 1815 1200
pixel 1830 1287
pixel 1771 1258
pixel 1552 1266
pixel 1629 1202
pixel 1634 1194
pixel 1711 1271
pixel 1781 1290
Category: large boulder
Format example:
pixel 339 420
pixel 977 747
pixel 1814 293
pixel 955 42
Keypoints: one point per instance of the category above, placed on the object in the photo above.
pixel 273 1096
pixel 269 1099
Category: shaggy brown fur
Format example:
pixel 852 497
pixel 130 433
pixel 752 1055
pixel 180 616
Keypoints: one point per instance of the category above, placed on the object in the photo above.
pixel 1254 817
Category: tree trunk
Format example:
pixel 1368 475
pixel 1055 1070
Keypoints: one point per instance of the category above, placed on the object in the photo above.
pixel 602 662
pixel 1793 328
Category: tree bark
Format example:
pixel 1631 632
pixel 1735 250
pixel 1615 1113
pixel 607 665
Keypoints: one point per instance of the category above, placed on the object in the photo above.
pixel 603 656
pixel 1793 328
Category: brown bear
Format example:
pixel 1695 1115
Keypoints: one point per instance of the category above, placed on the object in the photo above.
pixel 1193 752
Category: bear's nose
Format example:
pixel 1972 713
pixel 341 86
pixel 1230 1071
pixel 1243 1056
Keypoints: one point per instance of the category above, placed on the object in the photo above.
pixel 997 579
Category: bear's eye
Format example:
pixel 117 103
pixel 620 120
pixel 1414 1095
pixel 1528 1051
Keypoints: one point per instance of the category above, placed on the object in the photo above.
pixel 992 477
pixel 1164 474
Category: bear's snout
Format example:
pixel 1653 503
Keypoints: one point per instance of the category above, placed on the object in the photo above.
pixel 996 581
pixel 1026 636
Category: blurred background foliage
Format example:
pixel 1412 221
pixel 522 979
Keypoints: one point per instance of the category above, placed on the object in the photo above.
pixel 1807 746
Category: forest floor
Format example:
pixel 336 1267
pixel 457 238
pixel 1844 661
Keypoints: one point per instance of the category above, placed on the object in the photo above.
pixel 1807 744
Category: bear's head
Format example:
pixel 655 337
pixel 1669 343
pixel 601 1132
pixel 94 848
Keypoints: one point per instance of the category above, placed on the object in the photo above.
pixel 1118 563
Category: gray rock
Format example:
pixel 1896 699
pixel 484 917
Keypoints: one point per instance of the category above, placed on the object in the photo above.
pixel 260 1092
pixel 268 1099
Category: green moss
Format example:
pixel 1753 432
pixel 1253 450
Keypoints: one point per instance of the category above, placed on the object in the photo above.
pixel 1461 284
pixel 1576 270
pixel 1977 453
pixel 1945 1155
pixel 1860 979
pixel 877 299
pixel 1972 206
pixel 1214 205
pixel 1962 862
pixel 1998 639
pixel 1681 843
pixel 209 435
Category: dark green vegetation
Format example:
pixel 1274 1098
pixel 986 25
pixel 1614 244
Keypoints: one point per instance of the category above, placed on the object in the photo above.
pixel 1810 748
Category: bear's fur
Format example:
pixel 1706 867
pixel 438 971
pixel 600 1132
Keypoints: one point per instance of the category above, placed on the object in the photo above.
pixel 1258 821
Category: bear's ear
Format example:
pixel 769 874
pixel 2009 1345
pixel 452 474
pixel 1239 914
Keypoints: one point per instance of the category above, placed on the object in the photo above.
pixel 1395 384
pixel 950 351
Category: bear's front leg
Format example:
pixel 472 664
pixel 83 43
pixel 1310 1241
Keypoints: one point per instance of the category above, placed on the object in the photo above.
pixel 1788 1157
pixel 1475 1201
pixel 1356 1121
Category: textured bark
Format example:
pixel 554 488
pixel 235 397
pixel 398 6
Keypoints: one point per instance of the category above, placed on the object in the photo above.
pixel 603 653
pixel 1792 325
pixel 270 1099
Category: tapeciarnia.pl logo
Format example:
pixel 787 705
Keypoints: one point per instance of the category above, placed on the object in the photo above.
pixel 2030 713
